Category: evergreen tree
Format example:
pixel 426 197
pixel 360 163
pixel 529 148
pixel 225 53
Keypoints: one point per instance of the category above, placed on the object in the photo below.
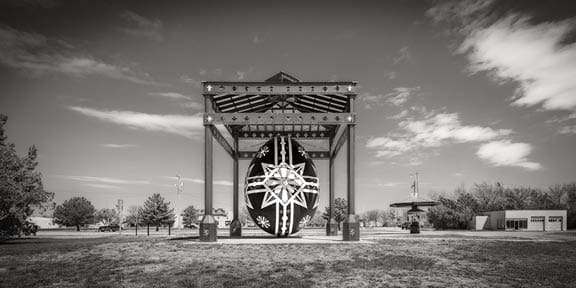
pixel 21 189
pixel 76 211
pixel 190 216
pixel 156 211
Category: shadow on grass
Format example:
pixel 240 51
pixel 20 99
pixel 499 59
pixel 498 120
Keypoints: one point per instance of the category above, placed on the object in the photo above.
pixel 235 237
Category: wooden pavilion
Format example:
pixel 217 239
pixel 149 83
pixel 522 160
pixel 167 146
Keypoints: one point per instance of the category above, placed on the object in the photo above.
pixel 280 105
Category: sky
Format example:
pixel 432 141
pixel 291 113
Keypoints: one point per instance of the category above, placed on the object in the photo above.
pixel 460 92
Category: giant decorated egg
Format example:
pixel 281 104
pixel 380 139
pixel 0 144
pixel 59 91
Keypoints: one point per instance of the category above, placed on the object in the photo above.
pixel 281 188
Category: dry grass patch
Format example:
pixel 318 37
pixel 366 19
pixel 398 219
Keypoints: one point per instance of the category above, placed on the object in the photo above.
pixel 156 262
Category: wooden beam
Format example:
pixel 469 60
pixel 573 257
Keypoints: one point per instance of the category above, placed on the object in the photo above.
pixel 340 142
pixel 312 154
pixel 218 136
pixel 296 134
pixel 342 88
pixel 279 119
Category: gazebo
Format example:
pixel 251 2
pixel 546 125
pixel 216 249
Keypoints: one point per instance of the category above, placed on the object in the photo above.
pixel 281 105
pixel 414 202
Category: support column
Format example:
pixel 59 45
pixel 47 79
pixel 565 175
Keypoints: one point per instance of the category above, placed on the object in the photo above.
pixel 351 227
pixel 208 226
pixel 331 224
pixel 235 225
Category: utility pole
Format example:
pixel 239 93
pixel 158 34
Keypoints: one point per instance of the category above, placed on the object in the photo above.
pixel 179 185
pixel 120 208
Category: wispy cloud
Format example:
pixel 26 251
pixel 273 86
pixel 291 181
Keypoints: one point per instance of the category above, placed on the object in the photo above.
pixel 192 105
pixel 506 153
pixel 192 81
pixel 401 95
pixel 119 146
pixel 184 125
pixel 398 97
pixel 105 180
pixel 201 181
pixel 38 54
pixel 564 124
pixel 404 55
pixel 141 26
pixel 171 95
pixel 433 130
pixel 103 186
pixel 515 48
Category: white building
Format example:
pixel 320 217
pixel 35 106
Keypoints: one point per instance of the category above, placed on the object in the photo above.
pixel 220 215
pixel 44 222
pixel 522 220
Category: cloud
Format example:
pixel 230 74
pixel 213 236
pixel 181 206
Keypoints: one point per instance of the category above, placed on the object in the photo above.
pixel 105 180
pixel 171 95
pixel 102 186
pixel 417 135
pixel 119 146
pixel 565 124
pixel 240 75
pixel 183 125
pixel 189 80
pixel 81 67
pixel 506 153
pixel 401 95
pixel 142 27
pixel 397 97
pixel 38 54
pixel 567 129
pixel 193 105
pixel 536 56
pixel 201 181
pixel 404 55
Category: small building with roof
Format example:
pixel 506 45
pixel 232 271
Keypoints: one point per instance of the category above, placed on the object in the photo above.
pixel 522 220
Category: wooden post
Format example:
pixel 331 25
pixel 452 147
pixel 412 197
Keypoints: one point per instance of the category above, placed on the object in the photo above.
pixel 331 224
pixel 208 227
pixel 235 225
pixel 147 229
pixel 351 227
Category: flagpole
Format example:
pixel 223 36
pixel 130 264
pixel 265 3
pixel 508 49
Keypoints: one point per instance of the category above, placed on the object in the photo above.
pixel 417 188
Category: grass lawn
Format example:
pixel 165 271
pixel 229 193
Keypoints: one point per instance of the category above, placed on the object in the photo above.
pixel 438 261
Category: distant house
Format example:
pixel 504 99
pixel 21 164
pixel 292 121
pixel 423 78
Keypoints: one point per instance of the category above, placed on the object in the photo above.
pixel 220 215
pixel 522 220
pixel 44 222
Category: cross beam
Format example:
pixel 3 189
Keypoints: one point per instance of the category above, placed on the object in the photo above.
pixel 215 88
pixel 312 154
pixel 216 133
pixel 340 142
pixel 279 119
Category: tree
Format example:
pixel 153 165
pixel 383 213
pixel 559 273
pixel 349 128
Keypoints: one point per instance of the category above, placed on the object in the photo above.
pixel 133 216
pixel 156 211
pixel 21 189
pixel 317 220
pixel 190 216
pixel 243 215
pixel 340 211
pixel 76 211
pixel 108 216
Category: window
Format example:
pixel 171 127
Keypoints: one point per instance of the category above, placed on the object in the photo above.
pixel 516 224
pixel 537 219
pixel 552 219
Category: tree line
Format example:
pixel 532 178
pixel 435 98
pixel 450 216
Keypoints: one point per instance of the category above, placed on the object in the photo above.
pixel 456 210
pixel 79 211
